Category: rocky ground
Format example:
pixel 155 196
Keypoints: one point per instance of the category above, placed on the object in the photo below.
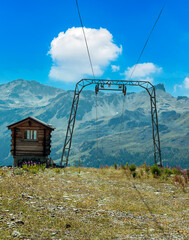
pixel 88 203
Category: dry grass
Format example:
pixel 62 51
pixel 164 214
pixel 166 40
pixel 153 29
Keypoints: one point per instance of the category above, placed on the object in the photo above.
pixel 87 203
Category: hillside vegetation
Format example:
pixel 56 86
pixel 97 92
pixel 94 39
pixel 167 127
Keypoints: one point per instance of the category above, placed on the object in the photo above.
pixel 88 203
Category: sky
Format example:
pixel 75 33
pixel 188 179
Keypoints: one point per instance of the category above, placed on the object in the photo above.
pixel 42 40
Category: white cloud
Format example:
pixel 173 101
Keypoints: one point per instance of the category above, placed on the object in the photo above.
pixel 143 71
pixel 69 55
pixel 186 83
pixel 176 86
pixel 183 86
pixel 115 68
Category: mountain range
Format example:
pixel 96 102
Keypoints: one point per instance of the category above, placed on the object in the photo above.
pixel 104 140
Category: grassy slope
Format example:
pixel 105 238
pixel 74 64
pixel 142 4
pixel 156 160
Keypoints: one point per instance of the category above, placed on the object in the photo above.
pixel 91 203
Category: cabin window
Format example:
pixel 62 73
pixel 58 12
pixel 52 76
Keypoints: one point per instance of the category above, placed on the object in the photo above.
pixel 27 134
pixel 30 134
pixel 33 134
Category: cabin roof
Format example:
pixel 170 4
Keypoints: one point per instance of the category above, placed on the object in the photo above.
pixel 34 119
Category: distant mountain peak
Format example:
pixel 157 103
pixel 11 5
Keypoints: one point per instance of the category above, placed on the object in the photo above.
pixel 182 98
pixel 160 86
pixel 21 81
pixel 30 93
pixel 18 80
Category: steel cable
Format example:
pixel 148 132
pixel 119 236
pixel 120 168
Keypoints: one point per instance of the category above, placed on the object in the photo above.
pixel 147 41
pixel 88 52
pixel 92 69
pixel 134 68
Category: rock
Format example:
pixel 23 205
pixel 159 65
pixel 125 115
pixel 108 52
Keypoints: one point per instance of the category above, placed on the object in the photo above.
pixel 75 210
pixel 160 86
pixel 53 234
pixel 11 225
pixel 61 208
pixel 29 197
pixel 15 234
pixel 157 193
pixel 19 222
pixel 68 225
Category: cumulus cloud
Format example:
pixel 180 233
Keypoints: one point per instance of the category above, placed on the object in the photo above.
pixel 69 55
pixel 143 71
pixel 186 83
pixel 115 68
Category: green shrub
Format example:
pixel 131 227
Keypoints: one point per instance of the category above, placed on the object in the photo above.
pixel 115 165
pixel 146 168
pixel 33 169
pixel 57 170
pixel 18 171
pixel 164 177
pixel 123 167
pixel 141 172
pixel 42 167
pixel 132 167
pixel 168 171
pixel 2 173
pixel 138 175
pixel 134 174
pixel 176 171
pixel 25 167
pixel 155 170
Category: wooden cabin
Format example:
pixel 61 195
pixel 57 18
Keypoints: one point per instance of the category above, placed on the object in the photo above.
pixel 31 141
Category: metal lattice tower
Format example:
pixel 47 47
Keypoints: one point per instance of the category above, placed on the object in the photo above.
pixel 113 85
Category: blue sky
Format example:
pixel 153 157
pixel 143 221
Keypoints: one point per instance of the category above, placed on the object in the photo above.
pixel 29 27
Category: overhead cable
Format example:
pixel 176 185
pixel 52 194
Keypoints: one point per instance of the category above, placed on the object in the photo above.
pixel 147 41
pixel 92 69
pixel 88 52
